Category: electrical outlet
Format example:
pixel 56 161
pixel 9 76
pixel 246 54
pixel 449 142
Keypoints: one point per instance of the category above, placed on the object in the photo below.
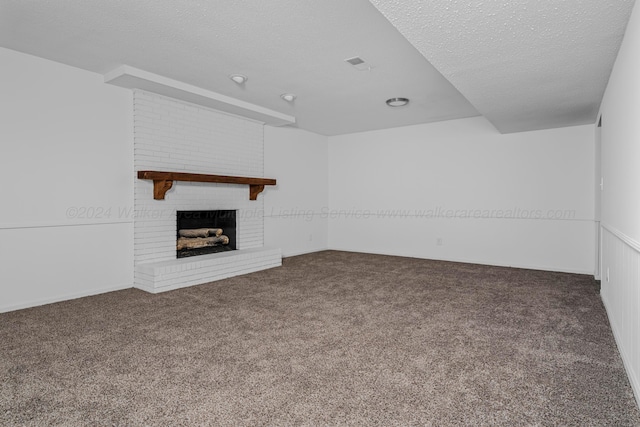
pixel 311 237
pixel 439 241
pixel 607 274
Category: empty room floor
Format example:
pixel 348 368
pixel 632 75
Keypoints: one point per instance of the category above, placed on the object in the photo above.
pixel 329 338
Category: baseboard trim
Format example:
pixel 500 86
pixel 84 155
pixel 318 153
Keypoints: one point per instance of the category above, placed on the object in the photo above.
pixel 64 297
pixel 472 261
pixel 304 252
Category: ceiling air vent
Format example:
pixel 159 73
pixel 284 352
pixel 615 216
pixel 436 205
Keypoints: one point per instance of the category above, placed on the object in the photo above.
pixel 358 63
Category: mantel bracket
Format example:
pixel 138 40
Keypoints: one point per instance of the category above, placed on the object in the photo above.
pixel 160 188
pixel 254 190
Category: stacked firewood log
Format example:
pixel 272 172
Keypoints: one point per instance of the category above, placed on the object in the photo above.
pixel 195 238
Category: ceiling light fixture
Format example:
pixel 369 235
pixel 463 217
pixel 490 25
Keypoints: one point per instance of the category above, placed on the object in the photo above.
pixel 289 97
pixel 239 78
pixel 397 102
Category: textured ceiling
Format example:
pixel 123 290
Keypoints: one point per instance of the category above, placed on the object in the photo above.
pixel 524 64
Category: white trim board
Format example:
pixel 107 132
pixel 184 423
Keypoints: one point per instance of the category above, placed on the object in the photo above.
pixel 631 242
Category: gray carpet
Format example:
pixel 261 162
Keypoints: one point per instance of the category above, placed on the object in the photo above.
pixel 331 338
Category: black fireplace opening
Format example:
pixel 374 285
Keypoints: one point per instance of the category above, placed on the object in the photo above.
pixel 205 232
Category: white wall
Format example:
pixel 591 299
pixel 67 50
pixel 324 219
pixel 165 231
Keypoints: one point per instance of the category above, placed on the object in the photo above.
pixel 523 200
pixel 620 212
pixel 67 174
pixel 293 210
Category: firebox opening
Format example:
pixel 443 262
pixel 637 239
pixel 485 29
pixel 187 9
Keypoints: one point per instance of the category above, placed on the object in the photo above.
pixel 205 232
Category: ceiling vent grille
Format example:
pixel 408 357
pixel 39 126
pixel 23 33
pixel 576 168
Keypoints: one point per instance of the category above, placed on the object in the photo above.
pixel 358 63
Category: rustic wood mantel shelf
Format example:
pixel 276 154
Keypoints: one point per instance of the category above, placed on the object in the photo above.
pixel 163 181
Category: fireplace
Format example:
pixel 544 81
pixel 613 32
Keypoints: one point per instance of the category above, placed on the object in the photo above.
pixel 204 232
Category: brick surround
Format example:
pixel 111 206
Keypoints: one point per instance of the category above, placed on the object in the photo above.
pixel 176 136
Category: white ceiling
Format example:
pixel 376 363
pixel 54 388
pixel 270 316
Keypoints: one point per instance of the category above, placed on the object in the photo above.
pixel 524 64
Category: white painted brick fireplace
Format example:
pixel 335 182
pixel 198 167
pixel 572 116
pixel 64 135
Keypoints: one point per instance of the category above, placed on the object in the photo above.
pixel 175 136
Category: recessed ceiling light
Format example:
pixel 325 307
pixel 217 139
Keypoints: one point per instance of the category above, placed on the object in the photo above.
pixel 397 102
pixel 239 78
pixel 289 97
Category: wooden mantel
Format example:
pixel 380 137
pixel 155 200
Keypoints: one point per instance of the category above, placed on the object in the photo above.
pixel 162 181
